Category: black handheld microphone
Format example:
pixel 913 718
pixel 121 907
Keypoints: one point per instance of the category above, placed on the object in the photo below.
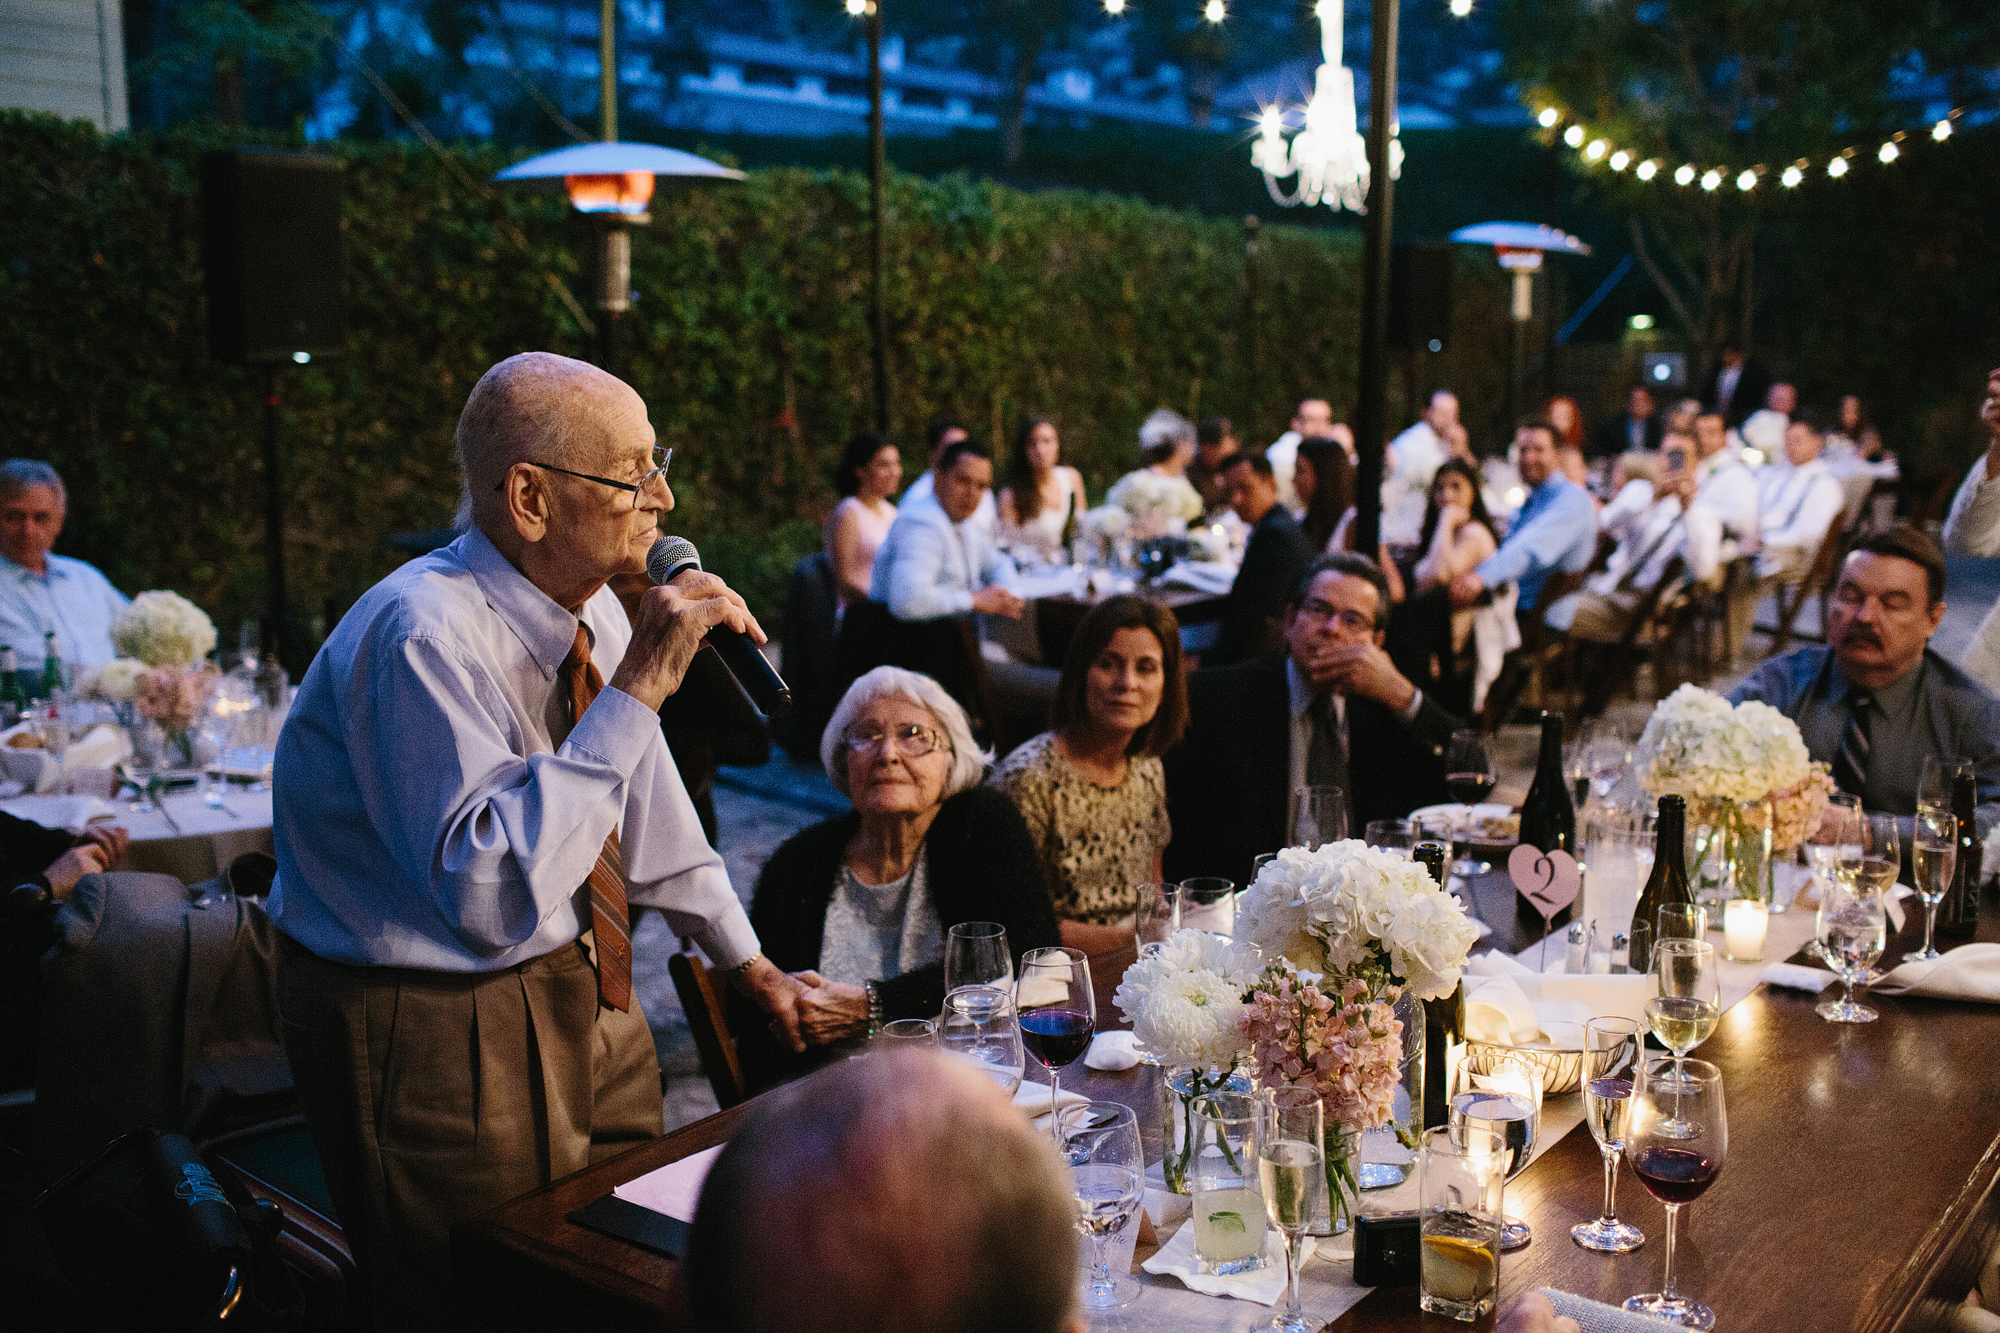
pixel 671 556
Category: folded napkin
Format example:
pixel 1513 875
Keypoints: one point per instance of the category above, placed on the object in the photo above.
pixel 1596 1317
pixel 1209 576
pixel 34 768
pixel 1792 976
pixel 1176 1259
pixel 1510 1004
pixel 1112 1051
pixel 1034 1098
pixel 100 747
pixel 1969 972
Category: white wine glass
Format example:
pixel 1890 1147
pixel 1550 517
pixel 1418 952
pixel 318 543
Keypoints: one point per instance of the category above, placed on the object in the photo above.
pixel 978 1027
pixel 1291 1168
pixel 1678 1138
pixel 1852 927
pixel 976 954
pixel 1687 1000
pixel 1107 1163
pixel 1933 859
pixel 1611 1055
pixel 1499 1090
pixel 1318 816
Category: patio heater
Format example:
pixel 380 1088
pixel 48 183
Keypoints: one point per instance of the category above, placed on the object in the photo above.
pixel 1519 246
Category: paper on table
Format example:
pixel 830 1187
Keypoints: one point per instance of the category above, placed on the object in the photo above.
pixel 675 1188
pixel 1176 1259
pixel 1969 972
pixel 63 812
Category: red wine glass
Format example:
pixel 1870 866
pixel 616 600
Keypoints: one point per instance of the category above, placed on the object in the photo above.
pixel 1469 778
pixel 1677 1140
pixel 1057 1011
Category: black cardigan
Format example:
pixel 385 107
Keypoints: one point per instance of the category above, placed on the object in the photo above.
pixel 980 865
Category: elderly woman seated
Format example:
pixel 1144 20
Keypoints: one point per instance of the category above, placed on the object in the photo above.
pixel 858 906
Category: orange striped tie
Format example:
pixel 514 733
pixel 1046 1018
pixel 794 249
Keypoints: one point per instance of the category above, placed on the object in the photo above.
pixel 610 915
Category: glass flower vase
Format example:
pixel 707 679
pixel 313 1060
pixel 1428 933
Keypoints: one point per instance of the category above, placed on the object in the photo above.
pixel 1343 1185
pixel 1388 1153
pixel 1178 1090
pixel 1729 852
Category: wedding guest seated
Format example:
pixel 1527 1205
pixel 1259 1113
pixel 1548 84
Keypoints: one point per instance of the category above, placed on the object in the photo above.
pixel 943 431
pixel 1429 633
pixel 936 562
pixel 1041 494
pixel 1798 502
pixel 1260 729
pixel 1092 788
pixel 858 906
pixel 899 1193
pixel 39 590
pixel 1411 459
pixel 1874 700
pixel 38 868
pixel 1313 419
pixel 1635 430
pixel 1214 443
pixel 1323 480
pixel 1633 477
pixel 869 473
pixel 1275 555
pixel 1556 528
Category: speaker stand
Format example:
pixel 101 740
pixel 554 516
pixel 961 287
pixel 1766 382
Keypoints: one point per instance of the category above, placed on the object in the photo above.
pixel 276 631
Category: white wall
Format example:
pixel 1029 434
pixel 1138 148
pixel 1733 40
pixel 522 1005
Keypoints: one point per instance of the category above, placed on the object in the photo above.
pixel 65 57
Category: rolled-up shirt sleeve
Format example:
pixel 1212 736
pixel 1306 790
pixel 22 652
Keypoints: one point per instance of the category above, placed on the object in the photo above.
pixel 1552 537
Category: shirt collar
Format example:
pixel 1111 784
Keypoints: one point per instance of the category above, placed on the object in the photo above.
pixel 546 630
pixel 1300 694
pixel 52 562
pixel 1894 699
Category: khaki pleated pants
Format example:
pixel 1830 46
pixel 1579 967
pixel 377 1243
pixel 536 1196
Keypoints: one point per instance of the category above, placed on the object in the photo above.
pixel 433 1096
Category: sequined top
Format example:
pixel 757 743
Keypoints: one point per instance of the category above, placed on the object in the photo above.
pixel 1096 843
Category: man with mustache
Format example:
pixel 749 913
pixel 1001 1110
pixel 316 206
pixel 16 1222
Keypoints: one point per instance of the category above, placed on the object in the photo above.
pixel 1874 700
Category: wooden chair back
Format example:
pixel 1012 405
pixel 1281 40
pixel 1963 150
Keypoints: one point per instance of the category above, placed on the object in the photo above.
pixel 1816 583
pixel 702 999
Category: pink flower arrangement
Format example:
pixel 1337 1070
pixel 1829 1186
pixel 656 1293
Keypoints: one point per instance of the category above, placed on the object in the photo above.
pixel 171 696
pixel 1344 1045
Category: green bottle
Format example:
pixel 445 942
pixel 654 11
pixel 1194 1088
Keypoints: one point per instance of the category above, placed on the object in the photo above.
pixel 52 668
pixel 13 701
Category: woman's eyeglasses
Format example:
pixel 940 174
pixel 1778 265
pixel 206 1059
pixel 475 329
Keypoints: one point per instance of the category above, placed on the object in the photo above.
pixel 911 742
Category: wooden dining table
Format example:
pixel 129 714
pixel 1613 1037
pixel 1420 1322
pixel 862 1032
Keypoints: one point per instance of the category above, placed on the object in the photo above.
pixel 1858 1193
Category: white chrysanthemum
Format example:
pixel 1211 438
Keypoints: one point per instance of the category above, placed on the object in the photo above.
pixel 1696 745
pixel 163 629
pixel 1185 999
pixel 115 682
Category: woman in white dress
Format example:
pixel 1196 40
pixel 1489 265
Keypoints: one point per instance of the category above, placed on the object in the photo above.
pixel 870 471
pixel 1041 493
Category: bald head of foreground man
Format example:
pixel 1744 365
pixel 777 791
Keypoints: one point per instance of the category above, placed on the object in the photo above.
pixel 898 1193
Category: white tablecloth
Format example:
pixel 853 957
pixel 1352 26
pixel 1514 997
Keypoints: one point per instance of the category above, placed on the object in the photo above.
pixel 205 842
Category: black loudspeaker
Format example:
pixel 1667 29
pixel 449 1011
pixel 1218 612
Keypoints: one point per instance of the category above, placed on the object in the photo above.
pixel 1420 296
pixel 271 252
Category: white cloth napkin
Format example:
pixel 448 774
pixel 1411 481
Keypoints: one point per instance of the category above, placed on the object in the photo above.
pixel 1596 1317
pixel 1176 1259
pixel 1112 1051
pixel 1214 577
pixel 1792 976
pixel 673 1189
pixel 100 747
pixel 34 768
pixel 1508 1003
pixel 1969 972
pixel 1034 1098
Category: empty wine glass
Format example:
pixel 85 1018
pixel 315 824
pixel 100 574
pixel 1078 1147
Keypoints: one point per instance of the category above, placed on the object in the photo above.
pixel 1208 902
pixel 1680 921
pixel 1933 859
pixel 1318 815
pixel 1499 1090
pixel 978 1027
pixel 1940 772
pixel 1100 1141
pixel 1611 1052
pixel 1678 1138
pixel 1851 928
pixel 1055 1009
pixel 976 954
pixel 1291 1168
pixel 1155 916
pixel 1469 776
pixel 146 762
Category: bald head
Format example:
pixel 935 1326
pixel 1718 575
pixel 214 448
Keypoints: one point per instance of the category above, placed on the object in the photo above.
pixel 898 1193
pixel 535 407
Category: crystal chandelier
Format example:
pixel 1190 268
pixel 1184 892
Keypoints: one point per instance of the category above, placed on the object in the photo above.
pixel 1327 153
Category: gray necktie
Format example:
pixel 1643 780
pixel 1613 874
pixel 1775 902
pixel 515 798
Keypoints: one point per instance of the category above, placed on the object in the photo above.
pixel 1850 766
pixel 1326 754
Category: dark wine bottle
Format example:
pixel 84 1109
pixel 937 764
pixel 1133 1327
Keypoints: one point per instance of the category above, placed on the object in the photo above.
pixel 1548 820
pixel 1958 914
pixel 1444 1019
pixel 1668 883
pixel 13 699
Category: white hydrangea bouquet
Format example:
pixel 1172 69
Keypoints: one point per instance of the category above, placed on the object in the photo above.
pixel 163 629
pixel 163 642
pixel 1159 506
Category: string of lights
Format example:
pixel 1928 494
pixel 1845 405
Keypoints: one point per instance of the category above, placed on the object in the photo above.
pixel 1598 149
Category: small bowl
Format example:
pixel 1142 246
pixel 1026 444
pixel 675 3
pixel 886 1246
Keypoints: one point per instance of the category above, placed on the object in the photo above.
pixel 1562 1071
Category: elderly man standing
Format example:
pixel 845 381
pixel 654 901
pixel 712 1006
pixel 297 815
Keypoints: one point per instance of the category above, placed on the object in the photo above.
pixel 466 812
pixel 41 592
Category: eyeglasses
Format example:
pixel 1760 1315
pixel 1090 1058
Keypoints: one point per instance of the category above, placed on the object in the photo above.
pixel 1315 609
pixel 662 460
pixel 911 742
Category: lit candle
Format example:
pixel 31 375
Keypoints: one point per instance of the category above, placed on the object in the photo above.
pixel 1743 923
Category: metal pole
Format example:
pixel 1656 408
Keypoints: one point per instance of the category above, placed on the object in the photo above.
pixel 878 165
pixel 607 67
pixel 1253 360
pixel 276 638
pixel 1370 418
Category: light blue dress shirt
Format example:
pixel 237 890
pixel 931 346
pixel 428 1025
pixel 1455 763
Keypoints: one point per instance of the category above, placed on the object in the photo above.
pixel 429 809
pixel 72 599
pixel 1556 529
pixel 928 567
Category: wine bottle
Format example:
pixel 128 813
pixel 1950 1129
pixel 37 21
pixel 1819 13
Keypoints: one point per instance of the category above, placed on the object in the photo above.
pixel 1444 1019
pixel 1668 883
pixel 52 671
pixel 13 699
pixel 1958 914
pixel 1548 819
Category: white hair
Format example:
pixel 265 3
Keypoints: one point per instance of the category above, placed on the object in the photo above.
pixel 18 474
pixel 527 408
pixel 968 761
pixel 1165 427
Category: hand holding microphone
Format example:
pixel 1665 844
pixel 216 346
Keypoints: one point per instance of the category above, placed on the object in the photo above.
pixel 676 619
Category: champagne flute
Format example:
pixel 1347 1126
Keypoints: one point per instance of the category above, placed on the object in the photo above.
pixel 1500 1091
pixel 1291 1167
pixel 978 1027
pixel 1933 858
pixel 1688 1004
pixel 1678 1137
pixel 1469 776
pixel 976 954
pixel 1100 1141
pixel 1611 1053
pixel 1056 1010
pixel 1852 928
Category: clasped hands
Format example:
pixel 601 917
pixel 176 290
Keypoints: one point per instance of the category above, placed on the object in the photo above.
pixel 1357 668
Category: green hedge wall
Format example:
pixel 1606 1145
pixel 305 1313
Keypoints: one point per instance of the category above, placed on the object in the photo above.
pixel 749 345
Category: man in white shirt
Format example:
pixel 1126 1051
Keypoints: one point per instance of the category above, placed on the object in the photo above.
pixel 1413 459
pixel 1313 420
pixel 465 813
pixel 1973 528
pixel 1798 502
pixel 1764 429
pixel 943 432
pixel 936 560
pixel 41 592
